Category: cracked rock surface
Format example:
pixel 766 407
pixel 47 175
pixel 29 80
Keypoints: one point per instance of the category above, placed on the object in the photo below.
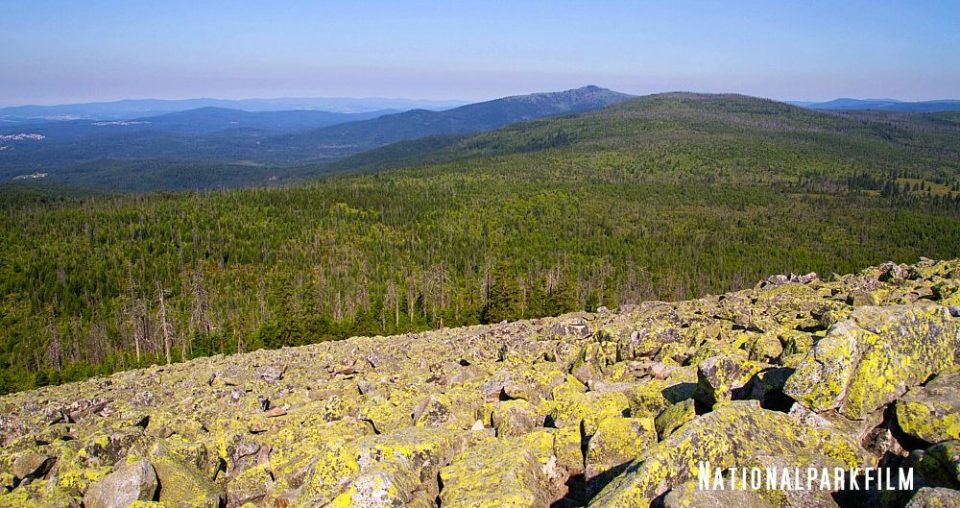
pixel 586 409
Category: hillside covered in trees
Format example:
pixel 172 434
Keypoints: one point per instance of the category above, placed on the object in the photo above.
pixel 663 197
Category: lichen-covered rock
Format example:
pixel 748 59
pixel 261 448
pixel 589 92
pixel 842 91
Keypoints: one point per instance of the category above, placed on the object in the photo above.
pixel 932 412
pixel 496 474
pixel 373 421
pixel 136 481
pixel 529 383
pixel 766 348
pixel 731 435
pixel 181 484
pixel 689 495
pixel 617 442
pixel 674 417
pixel 250 486
pixel 394 469
pixel 939 465
pixel 515 418
pixel 721 379
pixel 872 358
pixel 39 494
pixel 574 408
pixel 384 485
pixel 801 466
pixel 31 465
pixel 934 497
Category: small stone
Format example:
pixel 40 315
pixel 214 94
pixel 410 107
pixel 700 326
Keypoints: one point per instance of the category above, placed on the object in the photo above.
pixel 275 412
pixel 270 374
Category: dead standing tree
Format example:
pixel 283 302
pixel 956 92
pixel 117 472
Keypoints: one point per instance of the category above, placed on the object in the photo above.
pixel 164 324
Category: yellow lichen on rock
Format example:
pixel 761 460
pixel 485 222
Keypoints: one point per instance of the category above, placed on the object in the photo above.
pixel 612 408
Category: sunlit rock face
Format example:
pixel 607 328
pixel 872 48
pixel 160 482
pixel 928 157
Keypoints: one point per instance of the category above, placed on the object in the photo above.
pixel 616 408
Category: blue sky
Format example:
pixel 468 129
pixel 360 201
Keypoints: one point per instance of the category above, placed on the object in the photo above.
pixel 65 51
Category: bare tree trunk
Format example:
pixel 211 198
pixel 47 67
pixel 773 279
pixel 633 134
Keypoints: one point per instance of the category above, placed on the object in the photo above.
pixel 443 293
pixel 54 353
pixel 164 327
pixel 140 327
pixel 261 299
pixel 338 308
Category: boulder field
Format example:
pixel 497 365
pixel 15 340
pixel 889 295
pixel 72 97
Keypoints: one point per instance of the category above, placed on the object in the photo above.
pixel 604 409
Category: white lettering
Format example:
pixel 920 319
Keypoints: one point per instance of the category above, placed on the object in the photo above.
pixel 906 482
pixel 703 475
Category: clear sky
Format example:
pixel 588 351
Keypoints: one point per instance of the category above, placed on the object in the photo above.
pixel 81 50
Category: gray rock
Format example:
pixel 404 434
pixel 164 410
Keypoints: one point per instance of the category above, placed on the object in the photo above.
pixel 932 412
pixel 689 495
pixel 928 497
pixel 128 483
pixel 515 418
pixel 31 465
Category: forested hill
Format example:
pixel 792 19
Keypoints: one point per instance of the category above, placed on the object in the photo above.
pixel 355 137
pixel 230 148
pixel 663 197
pixel 717 134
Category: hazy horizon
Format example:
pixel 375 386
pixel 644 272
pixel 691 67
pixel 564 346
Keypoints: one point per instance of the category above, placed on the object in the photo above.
pixel 59 52
pixel 430 99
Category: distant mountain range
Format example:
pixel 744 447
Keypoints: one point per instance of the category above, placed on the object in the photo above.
pixel 206 120
pixel 212 147
pixel 350 138
pixel 126 109
pixel 845 104
pixel 275 138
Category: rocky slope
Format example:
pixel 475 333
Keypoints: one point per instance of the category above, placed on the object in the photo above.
pixel 604 409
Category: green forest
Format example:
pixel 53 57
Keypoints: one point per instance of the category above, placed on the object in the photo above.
pixel 666 197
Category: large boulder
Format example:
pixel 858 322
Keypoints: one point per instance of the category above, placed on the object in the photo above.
pixel 398 469
pixel 689 495
pixel 515 418
pixel 939 465
pixel 136 481
pixel 869 360
pixel 934 497
pixel 617 442
pixel 932 412
pixel 31 465
pixel 730 436
pixel 181 483
pixel 674 417
pixel 495 474
pixel 723 378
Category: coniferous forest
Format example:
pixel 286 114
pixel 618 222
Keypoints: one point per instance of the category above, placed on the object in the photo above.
pixel 663 197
